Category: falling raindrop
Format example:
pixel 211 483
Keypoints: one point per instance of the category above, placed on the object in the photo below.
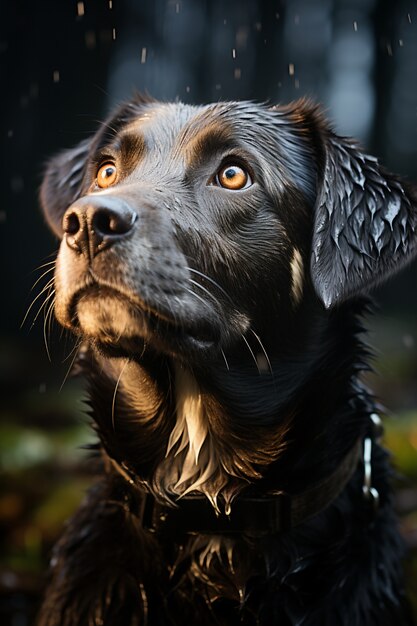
pixel 143 56
pixel 80 9
pixel 56 76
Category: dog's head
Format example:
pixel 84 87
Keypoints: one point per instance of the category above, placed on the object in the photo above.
pixel 183 227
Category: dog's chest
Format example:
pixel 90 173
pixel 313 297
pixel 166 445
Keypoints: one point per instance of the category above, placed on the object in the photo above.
pixel 192 461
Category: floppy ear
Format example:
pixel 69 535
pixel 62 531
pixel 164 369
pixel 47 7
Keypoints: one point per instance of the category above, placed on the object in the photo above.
pixel 62 183
pixel 365 224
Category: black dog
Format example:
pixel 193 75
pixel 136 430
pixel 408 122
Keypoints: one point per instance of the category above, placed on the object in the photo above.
pixel 214 261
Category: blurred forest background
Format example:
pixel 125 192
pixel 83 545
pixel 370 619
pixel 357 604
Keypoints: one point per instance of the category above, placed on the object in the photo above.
pixel 63 64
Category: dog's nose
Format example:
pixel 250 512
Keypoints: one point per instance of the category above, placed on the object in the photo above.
pixel 93 224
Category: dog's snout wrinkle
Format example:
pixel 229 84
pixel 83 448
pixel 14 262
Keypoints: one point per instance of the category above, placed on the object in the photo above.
pixel 92 224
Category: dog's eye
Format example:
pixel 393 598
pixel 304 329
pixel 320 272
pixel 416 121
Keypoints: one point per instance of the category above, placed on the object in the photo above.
pixel 106 175
pixel 233 177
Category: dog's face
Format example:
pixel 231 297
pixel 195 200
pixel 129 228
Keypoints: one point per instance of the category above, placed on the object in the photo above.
pixel 185 227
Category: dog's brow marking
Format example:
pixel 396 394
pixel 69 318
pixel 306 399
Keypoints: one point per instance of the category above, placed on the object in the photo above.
pixel 297 275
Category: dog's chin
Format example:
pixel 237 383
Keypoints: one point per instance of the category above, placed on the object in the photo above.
pixel 119 328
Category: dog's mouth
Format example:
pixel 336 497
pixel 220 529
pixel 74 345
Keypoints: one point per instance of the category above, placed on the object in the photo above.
pixel 122 325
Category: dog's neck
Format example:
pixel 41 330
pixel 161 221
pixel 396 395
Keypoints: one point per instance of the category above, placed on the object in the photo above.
pixel 216 430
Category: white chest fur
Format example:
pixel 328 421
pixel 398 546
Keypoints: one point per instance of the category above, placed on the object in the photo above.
pixel 191 462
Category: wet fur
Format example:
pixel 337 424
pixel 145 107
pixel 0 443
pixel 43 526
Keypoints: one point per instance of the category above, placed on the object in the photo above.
pixel 274 277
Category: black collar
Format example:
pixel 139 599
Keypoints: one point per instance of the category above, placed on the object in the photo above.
pixel 250 514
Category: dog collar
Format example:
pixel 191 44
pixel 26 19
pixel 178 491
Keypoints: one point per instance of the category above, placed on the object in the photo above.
pixel 256 515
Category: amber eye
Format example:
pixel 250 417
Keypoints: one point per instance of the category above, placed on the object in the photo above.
pixel 233 177
pixel 106 175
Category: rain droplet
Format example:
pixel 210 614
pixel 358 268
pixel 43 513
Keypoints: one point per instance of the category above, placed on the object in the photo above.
pixel 80 9
pixel 355 26
pixel 233 53
pixel 143 56
pixel 237 73
pixel 114 33
pixel 56 76
pixel 110 4
pixel 291 69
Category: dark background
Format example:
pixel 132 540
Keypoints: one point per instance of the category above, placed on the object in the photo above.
pixel 63 65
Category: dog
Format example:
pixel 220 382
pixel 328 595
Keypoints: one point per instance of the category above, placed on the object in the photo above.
pixel 215 263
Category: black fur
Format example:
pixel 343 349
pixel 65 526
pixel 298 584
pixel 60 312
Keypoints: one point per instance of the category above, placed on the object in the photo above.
pixel 241 310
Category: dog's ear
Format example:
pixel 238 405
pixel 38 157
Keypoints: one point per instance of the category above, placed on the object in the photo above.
pixel 62 183
pixel 365 224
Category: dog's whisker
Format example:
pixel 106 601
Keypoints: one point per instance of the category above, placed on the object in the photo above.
pixel 213 282
pixel 51 269
pixel 213 297
pixel 45 331
pixel 113 404
pixel 225 359
pixel 263 349
pixel 251 351
pixel 190 291
pixel 51 293
pixel 47 264
pixel 75 350
pixel 45 288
